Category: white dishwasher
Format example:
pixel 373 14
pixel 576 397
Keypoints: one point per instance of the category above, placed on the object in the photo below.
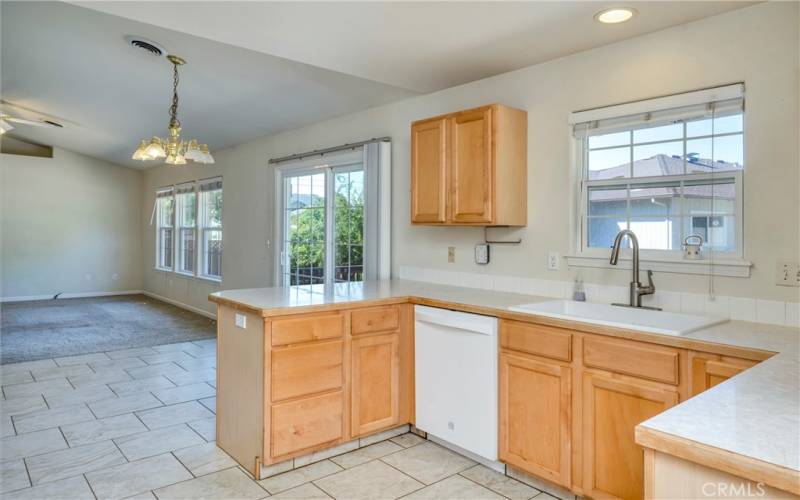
pixel 456 378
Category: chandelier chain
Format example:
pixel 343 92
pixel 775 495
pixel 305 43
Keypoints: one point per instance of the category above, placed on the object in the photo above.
pixel 173 110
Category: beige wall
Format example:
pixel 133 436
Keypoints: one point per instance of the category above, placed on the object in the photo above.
pixel 68 224
pixel 757 45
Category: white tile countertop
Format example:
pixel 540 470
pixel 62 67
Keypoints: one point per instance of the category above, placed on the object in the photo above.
pixel 754 417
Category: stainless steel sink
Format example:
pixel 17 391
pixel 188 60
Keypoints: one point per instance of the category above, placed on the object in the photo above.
pixel 645 320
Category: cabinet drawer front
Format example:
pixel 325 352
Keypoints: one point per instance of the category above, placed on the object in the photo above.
pixel 306 369
pixel 375 319
pixel 306 328
pixel 632 358
pixel 302 424
pixel 540 340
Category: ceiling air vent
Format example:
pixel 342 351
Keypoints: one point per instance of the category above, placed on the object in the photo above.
pixel 148 46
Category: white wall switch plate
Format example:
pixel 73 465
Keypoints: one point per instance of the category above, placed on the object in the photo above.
pixel 240 320
pixel 482 253
pixel 787 273
pixel 553 261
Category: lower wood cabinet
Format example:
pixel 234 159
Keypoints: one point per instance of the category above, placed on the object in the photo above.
pixel 708 370
pixel 375 383
pixel 306 423
pixel 613 464
pixel 535 416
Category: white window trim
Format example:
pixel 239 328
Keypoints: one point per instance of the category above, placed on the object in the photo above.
pixel 730 264
pixel 156 214
pixel 199 256
pixel 376 184
pixel 200 265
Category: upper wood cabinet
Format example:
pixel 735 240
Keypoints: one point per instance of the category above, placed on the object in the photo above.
pixel 470 168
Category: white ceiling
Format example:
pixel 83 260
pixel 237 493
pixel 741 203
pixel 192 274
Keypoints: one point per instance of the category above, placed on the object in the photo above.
pixel 256 68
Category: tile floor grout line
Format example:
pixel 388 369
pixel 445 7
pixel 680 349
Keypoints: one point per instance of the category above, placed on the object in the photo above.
pixel 485 486
pixel 90 485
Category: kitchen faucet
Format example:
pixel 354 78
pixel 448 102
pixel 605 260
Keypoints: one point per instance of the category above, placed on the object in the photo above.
pixel 636 288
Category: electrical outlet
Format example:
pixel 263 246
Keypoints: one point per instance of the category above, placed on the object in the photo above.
pixel 553 260
pixel 115 276
pixel 787 273
pixel 451 254
pixel 240 320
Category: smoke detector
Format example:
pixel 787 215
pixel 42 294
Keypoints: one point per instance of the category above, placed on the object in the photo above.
pixel 146 45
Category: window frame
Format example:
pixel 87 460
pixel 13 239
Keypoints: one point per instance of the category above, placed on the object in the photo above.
pixel 199 263
pixel 179 230
pixel 202 228
pixel 583 254
pixel 157 214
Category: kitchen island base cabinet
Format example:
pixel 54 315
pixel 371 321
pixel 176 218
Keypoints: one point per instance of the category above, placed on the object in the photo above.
pixel 536 417
pixel 613 407
pixel 708 370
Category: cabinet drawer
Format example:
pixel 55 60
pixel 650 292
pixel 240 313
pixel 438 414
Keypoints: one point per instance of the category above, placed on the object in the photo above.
pixel 302 424
pixel 632 358
pixel 306 369
pixel 306 328
pixel 541 340
pixel 375 319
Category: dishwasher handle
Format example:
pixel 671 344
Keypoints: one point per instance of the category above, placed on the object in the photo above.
pixel 473 323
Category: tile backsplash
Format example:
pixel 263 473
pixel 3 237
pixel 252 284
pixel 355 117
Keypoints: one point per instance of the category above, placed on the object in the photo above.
pixel 738 308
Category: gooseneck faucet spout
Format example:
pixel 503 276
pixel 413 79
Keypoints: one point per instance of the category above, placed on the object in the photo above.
pixel 636 288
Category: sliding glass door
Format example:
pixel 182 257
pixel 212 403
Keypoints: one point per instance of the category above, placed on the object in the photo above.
pixel 322 221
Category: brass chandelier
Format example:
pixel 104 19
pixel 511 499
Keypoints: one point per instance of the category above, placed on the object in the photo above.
pixel 174 150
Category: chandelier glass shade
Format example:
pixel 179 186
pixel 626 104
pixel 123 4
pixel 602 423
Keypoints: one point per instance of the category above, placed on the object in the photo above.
pixel 173 149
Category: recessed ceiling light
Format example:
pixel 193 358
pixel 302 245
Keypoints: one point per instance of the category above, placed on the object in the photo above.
pixel 615 15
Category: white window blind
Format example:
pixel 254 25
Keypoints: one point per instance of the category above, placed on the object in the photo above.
pixel 663 172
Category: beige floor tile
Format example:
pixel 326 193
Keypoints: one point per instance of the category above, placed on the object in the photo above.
pixel 455 488
pixel 25 366
pixel 60 371
pixel 22 405
pixel 382 436
pixel 408 440
pixel 6 427
pixel 210 403
pixel 102 430
pixel 147 495
pixel 179 346
pixel 33 443
pixel 16 377
pixel 85 394
pixel 141 385
pixel 500 483
pixel 185 393
pixel 174 414
pixel 13 476
pixel 124 404
pixel 73 461
pixel 102 377
pixel 206 427
pixel 366 454
pixel 80 359
pixel 150 371
pixel 36 388
pixel 73 488
pixel 204 458
pixel 327 453
pixel 308 473
pixel 44 419
pixel 305 492
pixel 130 353
pixel 165 357
pixel 198 363
pixel 276 468
pixel 230 484
pixel 193 376
pixel 428 462
pixel 121 364
pixel 151 443
pixel 546 487
pixel 137 477
pixel 369 481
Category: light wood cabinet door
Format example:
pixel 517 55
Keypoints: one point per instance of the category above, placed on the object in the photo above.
pixel 612 408
pixel 375 383
pixel 535 417
pixel 708 370
pixel 429 171
pixel 471 168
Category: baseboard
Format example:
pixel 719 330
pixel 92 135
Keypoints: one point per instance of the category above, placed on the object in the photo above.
pixel 176 303
pixel 68 295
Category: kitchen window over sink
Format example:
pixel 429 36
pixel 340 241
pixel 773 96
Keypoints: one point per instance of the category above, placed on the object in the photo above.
pixel 665 168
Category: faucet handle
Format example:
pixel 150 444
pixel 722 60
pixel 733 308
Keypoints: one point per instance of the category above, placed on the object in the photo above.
pixel 650 285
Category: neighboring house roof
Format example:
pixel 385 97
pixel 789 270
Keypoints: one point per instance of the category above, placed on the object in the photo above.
pixel 662 165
